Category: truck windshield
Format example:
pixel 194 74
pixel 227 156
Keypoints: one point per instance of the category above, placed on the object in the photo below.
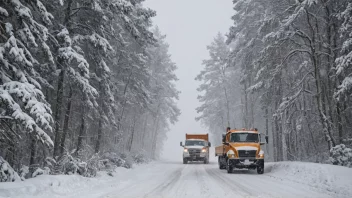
pixel 244 137
pixel 194 143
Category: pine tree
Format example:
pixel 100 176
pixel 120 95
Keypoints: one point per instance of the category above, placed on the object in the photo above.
pixel 23 105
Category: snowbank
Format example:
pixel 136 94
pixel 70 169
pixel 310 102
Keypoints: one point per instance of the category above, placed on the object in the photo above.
pixel 7 174
pixel 58 185
pixel 335 179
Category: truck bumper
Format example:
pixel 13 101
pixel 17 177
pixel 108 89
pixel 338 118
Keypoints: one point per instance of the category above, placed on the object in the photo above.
pixel 200 157
pixel 195 158
pixel 243 163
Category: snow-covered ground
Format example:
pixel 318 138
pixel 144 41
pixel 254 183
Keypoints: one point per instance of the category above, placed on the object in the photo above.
pixel 174 179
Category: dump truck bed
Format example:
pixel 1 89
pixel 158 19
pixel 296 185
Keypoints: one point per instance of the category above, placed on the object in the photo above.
pixel 198 136
pixel 219 150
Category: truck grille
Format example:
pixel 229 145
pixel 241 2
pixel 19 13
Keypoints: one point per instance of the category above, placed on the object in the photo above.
pixel 244 153
pixel 194 151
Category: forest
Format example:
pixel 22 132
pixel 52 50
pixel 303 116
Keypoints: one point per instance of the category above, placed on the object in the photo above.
pixel 284 68
pixel 83 85
pixel 90 85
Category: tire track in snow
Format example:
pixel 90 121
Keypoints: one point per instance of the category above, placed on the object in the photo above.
pixel 193 182
pixel 164 187
pixel 189 184
pixel 222 182
pixel 202 183
pixel 142 187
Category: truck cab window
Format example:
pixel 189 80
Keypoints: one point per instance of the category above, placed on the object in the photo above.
pixel 244 137
pixel 195 143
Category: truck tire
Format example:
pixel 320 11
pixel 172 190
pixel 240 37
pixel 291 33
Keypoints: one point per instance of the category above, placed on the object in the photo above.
pixel 221 165
pixel 260 169
pixel 205 161
pixel 185 161
pixel 229 168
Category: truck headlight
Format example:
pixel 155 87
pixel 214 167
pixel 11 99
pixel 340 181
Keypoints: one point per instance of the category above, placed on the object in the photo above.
pixel 261 154
pixel 231 154
pixel 204 150
pixel 185 150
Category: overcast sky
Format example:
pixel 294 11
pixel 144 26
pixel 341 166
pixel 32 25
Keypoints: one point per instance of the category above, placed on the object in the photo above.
pixel 190 25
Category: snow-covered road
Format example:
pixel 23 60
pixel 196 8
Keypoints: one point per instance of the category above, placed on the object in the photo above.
pixel 176 180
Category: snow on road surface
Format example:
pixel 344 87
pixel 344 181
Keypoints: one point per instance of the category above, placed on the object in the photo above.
pixel 174 179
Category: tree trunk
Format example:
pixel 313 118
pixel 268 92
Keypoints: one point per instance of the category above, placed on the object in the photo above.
pixel 81 134
pixel 58 112
pixel 283 136
pixel 252 125
pixel 33 151
pixel 277 142
pixel 267 129
pixel 132 132
pixel 66 122
pixel 144 130
pixel 323 118
pixel 315 61
pixel 246 106
pixel 68 14
pixel 227 108
pixel 339 122
pixel 100 134
pixel 155 139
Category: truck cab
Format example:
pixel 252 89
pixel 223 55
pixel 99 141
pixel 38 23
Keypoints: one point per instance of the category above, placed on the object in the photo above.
pixel 241 149
pixel 196 148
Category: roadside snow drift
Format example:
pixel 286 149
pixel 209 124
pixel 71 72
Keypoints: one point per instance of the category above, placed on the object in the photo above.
pixel 334 179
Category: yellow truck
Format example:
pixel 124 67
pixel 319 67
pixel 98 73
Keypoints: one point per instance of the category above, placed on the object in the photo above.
pixel 241 149
pixel 196 148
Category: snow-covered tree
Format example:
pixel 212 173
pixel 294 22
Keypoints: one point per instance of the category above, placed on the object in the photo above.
pixel 294 77
pixel 344 62
pixel 219 99
pixel 23 106
pixel 88 71
pixel 163 91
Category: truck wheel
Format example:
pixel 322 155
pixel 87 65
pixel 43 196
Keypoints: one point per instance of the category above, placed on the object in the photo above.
pixel 205 161
pixel 221 165
pixel 260 169
pixel 185 161
pixel 229 169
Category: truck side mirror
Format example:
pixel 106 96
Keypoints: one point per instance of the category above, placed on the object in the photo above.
pixel 267 139
pixel 181 144
pixel 209 144
pixel 223 137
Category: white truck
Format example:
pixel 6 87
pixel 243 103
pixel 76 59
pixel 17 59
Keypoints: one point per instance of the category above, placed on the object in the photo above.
pixel 196 148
